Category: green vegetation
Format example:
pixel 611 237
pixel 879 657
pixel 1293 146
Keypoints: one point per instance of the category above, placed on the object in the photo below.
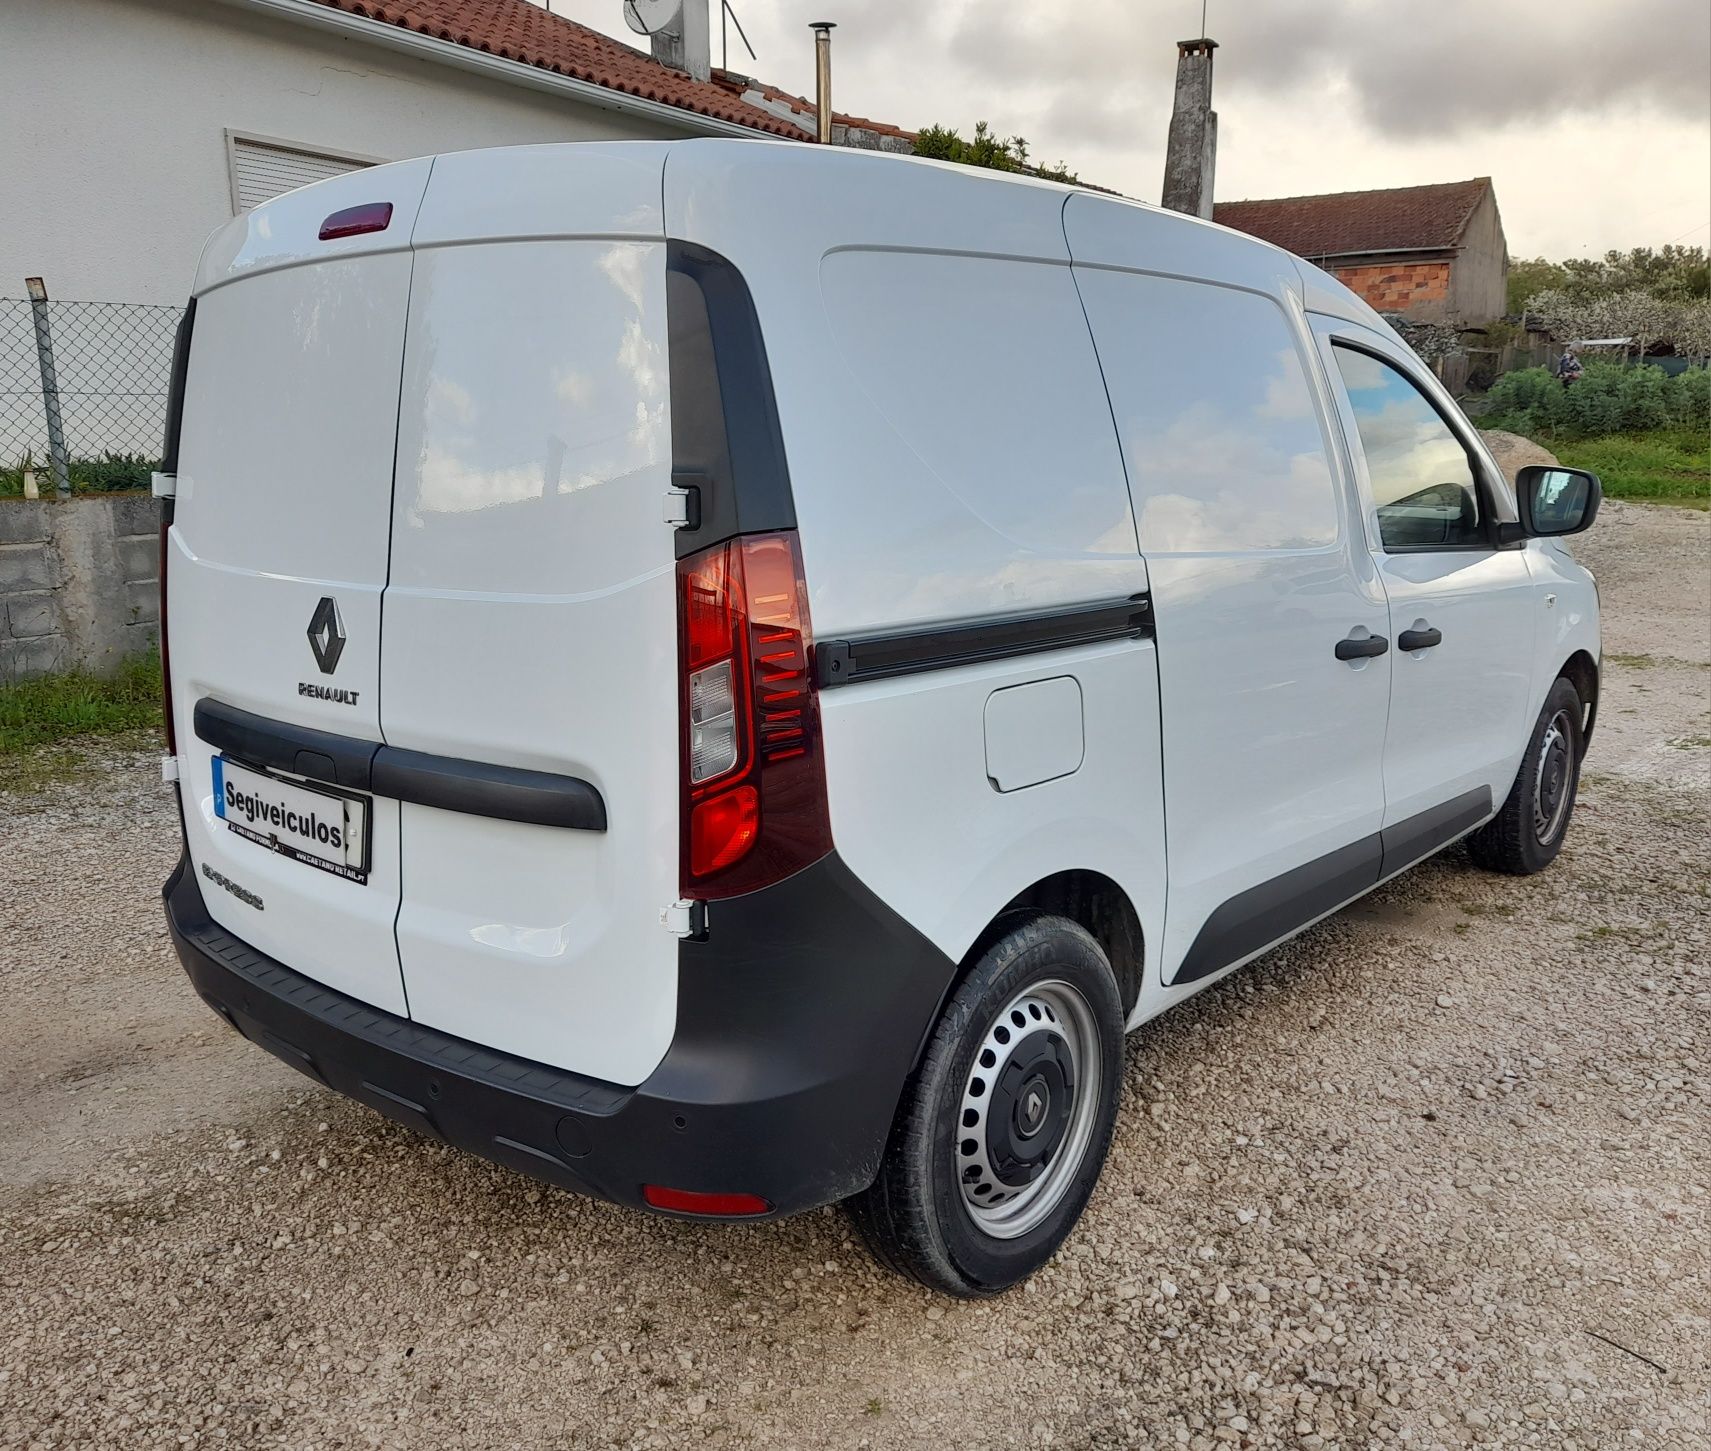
pixel 1608 399
pixel 1670 271
pixel 111 473
pixel 56 708
pixel 1646 435
pixel 1667 467
pixel 941 143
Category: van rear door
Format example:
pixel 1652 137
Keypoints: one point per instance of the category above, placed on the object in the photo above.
pixel 276 566
pixel 530 621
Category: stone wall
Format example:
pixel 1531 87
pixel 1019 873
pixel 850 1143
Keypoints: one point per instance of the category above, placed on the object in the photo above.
pixel 1400 286
pixel 77 582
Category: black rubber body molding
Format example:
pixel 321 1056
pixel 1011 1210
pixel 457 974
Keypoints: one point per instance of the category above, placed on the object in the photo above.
pixel 476 788
pixel 799 1017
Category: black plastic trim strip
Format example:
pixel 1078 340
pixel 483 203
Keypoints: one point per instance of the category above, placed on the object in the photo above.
pixel 1265 914
pixel 320 755
pixel 727 449
pixel 766 1088
pixel 175 389
pixel 1262 915
pixel 1419 836
pixel 476 788
pixel 875 657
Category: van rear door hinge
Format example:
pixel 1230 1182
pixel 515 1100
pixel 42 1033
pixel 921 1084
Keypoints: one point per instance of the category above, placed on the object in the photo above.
pixel 163 486
pixel 682 507
pixel 684 919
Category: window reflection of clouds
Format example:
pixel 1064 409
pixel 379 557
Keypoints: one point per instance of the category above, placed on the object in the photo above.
pixel 982 368
pixel 1220 434
pixel 1408 446
pixel 546 379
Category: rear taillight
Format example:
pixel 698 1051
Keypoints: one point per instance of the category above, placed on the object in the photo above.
pixel 754 784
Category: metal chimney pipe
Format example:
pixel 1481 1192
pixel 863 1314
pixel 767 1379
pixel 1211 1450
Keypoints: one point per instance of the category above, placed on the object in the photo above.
pixel 823 79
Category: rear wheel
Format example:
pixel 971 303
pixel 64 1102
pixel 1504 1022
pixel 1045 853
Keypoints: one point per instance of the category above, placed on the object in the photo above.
pixel 1526 835
pixel 1003 1130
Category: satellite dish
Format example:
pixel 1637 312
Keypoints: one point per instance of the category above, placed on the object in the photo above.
pixel 649 17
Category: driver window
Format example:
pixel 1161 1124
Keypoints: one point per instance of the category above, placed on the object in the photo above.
pixel 1422 480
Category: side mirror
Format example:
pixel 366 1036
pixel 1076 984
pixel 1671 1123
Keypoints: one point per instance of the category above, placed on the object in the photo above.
pixel 1553 500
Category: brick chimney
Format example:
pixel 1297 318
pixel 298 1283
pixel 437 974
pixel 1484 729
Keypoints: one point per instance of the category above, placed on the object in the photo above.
pixel 687 43
pixel 1192 151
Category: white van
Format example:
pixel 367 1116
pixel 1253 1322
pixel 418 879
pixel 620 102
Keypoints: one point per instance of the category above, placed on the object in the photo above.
pixel 725 675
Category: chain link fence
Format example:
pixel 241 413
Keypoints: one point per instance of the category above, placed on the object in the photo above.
pixel 83 390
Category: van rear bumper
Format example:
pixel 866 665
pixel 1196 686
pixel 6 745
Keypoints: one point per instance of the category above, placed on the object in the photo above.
pixel 799 1018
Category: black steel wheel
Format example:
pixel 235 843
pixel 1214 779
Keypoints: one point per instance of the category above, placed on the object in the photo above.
pixel 1528 832
pixel 1004 1128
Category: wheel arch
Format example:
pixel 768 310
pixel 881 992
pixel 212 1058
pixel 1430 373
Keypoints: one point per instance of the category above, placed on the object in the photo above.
pixel 1581 671
pixel 1090 899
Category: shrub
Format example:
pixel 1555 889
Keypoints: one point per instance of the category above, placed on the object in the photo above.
pixel 943 143
pixel 1608 399
pixel 110 473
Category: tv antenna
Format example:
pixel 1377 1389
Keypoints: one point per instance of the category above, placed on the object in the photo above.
pixel 728 14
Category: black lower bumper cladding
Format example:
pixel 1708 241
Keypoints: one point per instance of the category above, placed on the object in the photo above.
pixel 800 1014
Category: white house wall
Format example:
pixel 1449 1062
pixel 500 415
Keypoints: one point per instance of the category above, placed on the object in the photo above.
pixel 114 114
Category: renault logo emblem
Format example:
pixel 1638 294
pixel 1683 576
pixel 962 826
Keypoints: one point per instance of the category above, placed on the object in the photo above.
pixel 327 634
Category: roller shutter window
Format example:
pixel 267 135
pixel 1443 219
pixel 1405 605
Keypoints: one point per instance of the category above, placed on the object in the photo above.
pixel 263 170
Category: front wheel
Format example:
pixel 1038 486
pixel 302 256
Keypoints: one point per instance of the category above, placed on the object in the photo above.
pixel 1526 835
pixel 1003 1130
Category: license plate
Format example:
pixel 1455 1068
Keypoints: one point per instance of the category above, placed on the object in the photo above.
pixel 312 824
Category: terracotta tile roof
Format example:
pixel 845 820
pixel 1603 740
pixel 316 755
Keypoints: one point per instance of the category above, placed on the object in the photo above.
pixel 803 106
pixel 517 30
pixel 1349 222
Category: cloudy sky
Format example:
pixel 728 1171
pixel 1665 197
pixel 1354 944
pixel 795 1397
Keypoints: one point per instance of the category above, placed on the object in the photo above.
pixel 1593 117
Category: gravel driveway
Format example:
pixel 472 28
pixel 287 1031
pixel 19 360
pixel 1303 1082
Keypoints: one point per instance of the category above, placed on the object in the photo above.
pixel 1436 1174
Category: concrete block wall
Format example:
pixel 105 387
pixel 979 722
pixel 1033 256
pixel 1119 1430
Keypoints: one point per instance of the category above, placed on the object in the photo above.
pixel 77 583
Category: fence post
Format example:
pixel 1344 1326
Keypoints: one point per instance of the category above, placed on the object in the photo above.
pixel 50 386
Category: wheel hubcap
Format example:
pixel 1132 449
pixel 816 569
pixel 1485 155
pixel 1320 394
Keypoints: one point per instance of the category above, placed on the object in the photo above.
pixel 1028 1109
pixel 1553 779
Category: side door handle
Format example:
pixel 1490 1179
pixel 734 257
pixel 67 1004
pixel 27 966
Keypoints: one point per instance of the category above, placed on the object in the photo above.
pixel 1419 639
pixel 1363 648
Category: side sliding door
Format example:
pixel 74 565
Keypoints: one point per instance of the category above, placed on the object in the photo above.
pixel 1274 677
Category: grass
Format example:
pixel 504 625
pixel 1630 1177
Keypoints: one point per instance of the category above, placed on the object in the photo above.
pixel 1672 466
pixel 109 473
pixel 40 715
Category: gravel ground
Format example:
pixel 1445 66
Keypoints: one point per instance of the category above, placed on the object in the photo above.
pixel 1436 1174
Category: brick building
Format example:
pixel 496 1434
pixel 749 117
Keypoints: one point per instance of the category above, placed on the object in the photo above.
pixel 1434 252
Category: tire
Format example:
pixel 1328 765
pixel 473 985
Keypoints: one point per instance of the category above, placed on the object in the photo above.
pixel 1526 835
pixel 1003 1128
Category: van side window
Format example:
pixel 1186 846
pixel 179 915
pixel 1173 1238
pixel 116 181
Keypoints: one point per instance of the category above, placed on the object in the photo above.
pixel 983 370
pixel 1223 444
pixel 1422 480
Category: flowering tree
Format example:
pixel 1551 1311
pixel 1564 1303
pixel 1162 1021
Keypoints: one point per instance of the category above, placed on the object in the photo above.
pixel 1682 322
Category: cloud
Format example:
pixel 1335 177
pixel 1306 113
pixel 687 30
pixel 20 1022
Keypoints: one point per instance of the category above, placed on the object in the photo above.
pixel 1445 68
pixel 1456 66
pixel 1592 117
